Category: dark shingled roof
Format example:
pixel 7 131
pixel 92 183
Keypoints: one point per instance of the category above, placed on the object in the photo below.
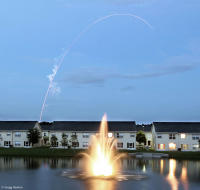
pixel 87 126
pixel 179 127
pixel 17 125
pixel 144 127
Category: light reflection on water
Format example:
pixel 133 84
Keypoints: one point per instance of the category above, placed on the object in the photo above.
pixel 98 184
pixel 171 177
pixel 169 173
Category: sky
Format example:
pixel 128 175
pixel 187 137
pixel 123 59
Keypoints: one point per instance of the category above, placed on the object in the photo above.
pixel 119 66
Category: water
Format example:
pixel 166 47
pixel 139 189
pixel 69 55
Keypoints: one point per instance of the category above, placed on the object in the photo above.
pixel 40 174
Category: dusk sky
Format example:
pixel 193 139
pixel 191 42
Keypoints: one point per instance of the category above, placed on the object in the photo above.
pixel 119 66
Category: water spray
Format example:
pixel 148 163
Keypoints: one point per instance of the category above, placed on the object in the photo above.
pixel 60 61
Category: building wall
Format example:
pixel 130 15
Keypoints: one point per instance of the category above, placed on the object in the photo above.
pixel 15 138
pixel 84 138
pixel 185 144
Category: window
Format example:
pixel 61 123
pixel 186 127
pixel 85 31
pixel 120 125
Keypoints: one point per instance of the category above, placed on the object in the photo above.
pixel 7 143
pixel 17 144
pixel 183 135
pixel 172 136
pixel 119 145
pixel 119 136
pixel 8 134
pixel 17 134
pixel 161 146
pixel 0 135
pixel 132 135
pixel 75 144
pixel 149 143
pixel 110 135
pixel 85 135
pixel 159 137
pixel 195 137
pixel 26 143
pixel 172 146
pixel 85 144
pixel 195 146
pixel 45 134
pixel 130 145
pixel 184 146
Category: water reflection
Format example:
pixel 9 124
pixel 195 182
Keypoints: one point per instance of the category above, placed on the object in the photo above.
pixel 98 184
pixel 171 177
pixel 184 178
pixel 177 174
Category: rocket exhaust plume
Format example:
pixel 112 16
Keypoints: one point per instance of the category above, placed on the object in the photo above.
pixel 52 85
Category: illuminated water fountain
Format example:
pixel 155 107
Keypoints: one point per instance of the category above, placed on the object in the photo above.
pixel 102 158
pixel 100 164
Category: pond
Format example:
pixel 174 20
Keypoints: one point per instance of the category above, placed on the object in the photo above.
pixel 50 174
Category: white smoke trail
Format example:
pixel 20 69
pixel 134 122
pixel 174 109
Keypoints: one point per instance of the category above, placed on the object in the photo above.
pixel 54 89
pixel 60 61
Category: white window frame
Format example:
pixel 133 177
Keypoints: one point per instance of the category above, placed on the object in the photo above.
pixel 85 144
pixel 17 134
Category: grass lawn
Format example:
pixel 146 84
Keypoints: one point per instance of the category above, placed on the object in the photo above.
pixel 53 152
pixel 39 152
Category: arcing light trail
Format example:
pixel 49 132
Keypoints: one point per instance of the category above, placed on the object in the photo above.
pixel 60 61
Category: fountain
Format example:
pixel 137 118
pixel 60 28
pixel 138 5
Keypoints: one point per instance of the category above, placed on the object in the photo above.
pixel 101 159
pixel 100 164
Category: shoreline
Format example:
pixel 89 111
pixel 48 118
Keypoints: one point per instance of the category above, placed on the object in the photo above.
pixel 64 153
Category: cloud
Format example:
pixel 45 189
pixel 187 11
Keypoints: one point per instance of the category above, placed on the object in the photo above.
pixel 100 76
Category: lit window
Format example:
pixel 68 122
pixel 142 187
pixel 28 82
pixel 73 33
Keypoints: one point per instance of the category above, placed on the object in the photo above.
pixel 184 146
pixel 183 136
pixel 161 146
pixel 172 146
pixel 110 135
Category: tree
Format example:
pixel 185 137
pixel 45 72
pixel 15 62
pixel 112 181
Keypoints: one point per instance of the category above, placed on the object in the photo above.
pixel 140 137
pixel 74 141
pixel 46 139
pixel 64 140
pixel 33 136
pixel 54 141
